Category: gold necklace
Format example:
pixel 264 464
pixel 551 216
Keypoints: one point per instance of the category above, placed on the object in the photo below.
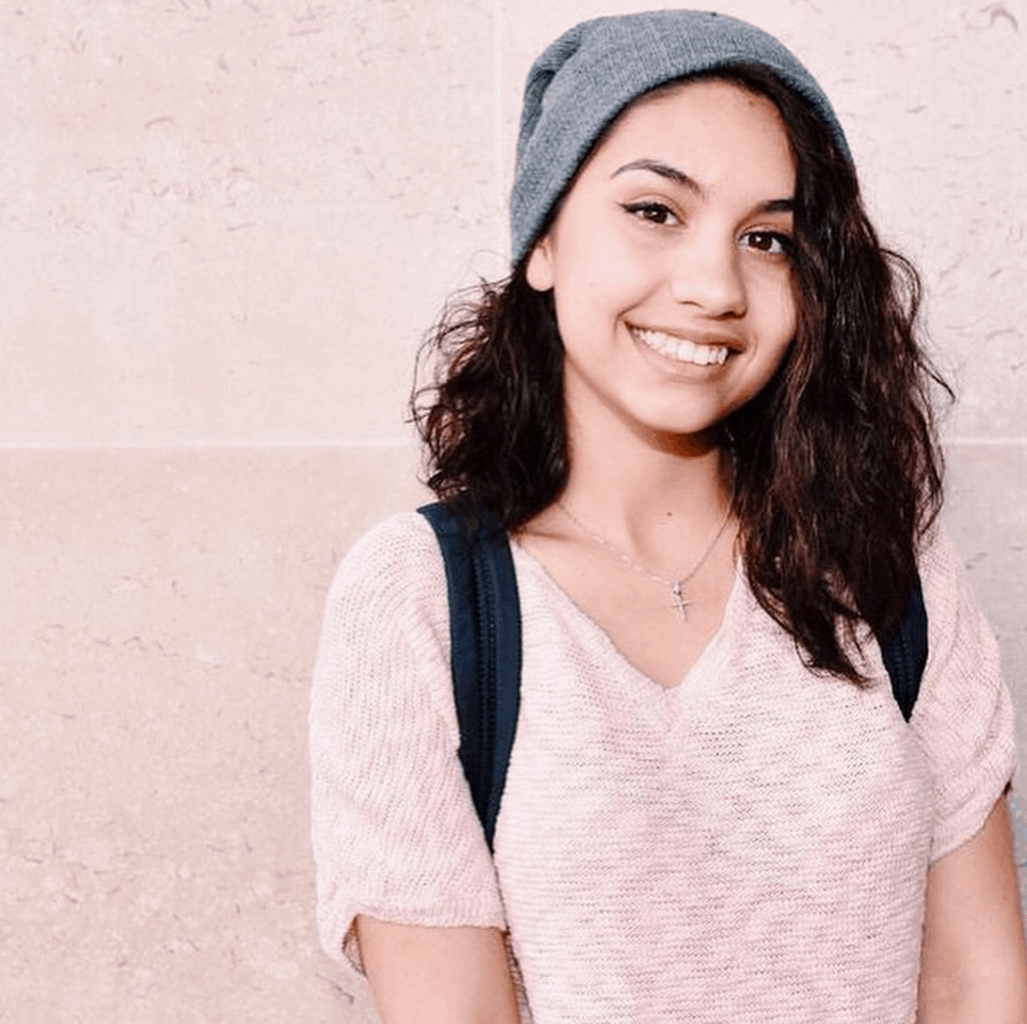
pixel 677 586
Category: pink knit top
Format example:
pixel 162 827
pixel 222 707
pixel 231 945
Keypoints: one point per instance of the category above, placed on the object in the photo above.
pixel 748 846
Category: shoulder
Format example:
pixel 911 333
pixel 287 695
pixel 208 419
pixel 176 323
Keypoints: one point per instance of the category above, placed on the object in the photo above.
pixel 386 618
pixel 396 548
pixel 960 638
pixel 392 569
pixel 942 570
pixel 963 717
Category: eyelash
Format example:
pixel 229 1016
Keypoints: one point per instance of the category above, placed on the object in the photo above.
pixel 658 213
pixel 785 243
pixel 651 212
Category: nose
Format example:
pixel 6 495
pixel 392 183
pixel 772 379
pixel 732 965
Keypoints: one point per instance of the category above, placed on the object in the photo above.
pixel 706 274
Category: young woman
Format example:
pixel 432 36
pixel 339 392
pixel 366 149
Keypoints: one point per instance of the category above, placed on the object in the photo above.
pixel 699 410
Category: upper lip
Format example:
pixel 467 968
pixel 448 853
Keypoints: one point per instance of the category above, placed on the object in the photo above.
pixel 697 337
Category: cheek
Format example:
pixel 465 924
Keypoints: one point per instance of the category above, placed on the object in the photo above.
pixel 791 303
pixel 778 322
pixel 593 259
pixel 596 295
pixel 781 315
pixel 790 324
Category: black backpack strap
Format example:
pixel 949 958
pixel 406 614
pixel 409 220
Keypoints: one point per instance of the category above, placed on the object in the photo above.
pixel 485 651
pixel 905 652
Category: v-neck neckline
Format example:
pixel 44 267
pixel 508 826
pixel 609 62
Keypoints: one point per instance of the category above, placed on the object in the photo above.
pixel 705 655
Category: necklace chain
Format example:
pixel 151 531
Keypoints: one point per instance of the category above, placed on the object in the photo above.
pixel 676 586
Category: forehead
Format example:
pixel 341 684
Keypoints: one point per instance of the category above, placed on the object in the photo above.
pixel 710 126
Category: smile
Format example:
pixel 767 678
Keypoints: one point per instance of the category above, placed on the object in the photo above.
pixel 682 350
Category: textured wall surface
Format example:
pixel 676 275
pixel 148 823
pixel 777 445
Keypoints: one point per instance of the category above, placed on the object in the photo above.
pixel 223 226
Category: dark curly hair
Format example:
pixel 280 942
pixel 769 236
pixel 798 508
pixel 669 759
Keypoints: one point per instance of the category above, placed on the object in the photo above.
pixel 838 471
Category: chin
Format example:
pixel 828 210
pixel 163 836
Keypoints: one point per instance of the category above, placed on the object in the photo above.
pixel 686 439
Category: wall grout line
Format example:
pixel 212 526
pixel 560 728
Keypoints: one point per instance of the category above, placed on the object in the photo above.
pixel 984 442
pixel 497 113
pixel 340 445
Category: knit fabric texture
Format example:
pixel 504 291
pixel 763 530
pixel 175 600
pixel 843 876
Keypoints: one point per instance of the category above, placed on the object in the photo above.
pixel 587 76
pixel 750 845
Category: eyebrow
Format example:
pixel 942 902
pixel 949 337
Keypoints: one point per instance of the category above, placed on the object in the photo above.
pixel 679 177
pixel 664 171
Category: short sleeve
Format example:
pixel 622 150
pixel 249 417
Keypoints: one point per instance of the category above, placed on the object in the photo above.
pixel 963 716
pixel 395 834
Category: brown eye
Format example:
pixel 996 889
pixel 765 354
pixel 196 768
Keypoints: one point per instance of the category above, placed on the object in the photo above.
pixel 654 213
pixel 770 242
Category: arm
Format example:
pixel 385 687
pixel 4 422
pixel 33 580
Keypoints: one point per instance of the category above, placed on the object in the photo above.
pixel 437 975
pixel 394 828
pixel 973 965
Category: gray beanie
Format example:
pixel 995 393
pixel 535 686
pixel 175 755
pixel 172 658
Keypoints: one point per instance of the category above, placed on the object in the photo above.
pixel 584 79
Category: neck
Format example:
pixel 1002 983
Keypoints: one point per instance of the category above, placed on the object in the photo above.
pixel 644 497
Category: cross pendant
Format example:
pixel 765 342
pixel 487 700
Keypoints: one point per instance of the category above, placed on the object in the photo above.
pixel 679 598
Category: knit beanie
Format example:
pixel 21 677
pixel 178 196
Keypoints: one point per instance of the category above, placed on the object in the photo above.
pixel 594 70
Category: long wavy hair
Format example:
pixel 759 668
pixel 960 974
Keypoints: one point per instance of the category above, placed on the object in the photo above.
pixel 837 468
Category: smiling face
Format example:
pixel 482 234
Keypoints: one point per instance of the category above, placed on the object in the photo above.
pixel 670 263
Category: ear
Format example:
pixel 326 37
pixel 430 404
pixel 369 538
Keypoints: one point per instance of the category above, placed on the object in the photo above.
pixel 540 265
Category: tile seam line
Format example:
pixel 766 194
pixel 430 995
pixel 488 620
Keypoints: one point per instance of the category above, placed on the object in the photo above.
pixel 984 442
pixel 498 67
pixel 391 443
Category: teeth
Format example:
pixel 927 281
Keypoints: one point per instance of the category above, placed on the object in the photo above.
pixel 683 351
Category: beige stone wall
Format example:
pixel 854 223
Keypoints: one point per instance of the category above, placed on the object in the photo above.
pixel 224 224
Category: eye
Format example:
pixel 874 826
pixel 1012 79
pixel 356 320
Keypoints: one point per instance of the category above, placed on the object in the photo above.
pixel 652 211
pixel 773 243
